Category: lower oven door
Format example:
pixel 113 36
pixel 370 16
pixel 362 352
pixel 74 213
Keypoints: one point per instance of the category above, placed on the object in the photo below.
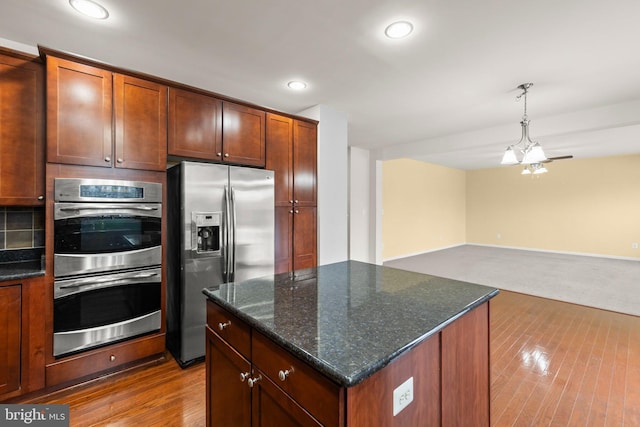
pixel 98 310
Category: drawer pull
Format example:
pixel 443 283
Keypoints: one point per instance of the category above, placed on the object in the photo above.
pixel 284 374
pixel 223 326
pixel 112 358
pixel 252 381
pixel 244 376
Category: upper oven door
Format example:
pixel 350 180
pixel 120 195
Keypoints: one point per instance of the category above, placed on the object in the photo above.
pixel 100 237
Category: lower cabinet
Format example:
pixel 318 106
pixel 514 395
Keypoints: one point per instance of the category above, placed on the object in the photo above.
pixel 10 324
pixel 243 392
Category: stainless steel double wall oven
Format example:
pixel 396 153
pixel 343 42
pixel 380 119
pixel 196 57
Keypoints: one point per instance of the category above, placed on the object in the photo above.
pixel 107 262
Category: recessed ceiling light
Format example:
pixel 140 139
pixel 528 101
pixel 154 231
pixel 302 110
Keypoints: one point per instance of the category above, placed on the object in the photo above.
pixel 89 8
pixel 297 85
pixel 399 29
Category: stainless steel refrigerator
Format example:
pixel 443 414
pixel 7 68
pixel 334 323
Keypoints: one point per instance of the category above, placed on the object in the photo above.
pixel 220 229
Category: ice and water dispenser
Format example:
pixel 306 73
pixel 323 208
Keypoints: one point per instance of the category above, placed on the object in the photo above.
pixel 205 233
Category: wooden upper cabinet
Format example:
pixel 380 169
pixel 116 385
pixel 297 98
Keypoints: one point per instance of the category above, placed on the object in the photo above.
pixel 243 135
pixel 305 159
pixel 280 157
pixel 195 125
pixel 141 124
pixel 21 131
pixel 98 118
pixel 292 154
pixel 79 113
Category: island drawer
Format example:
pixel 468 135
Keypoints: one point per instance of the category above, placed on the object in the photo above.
pixel 231 329
pixel 316 393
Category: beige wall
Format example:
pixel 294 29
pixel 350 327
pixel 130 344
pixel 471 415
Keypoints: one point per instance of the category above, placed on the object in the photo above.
pixel 423 207
pixel 589 206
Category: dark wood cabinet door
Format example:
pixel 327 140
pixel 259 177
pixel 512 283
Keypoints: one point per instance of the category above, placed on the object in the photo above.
pixel 195 125
pixel 21 131
pixel 305 159
pixel 304 237
pixel 280 157
pixel 243 135
pixel 10 302
pixel 141 124
pixel 271 407
pixel 79 114
pixel 228 397
pixel 283 239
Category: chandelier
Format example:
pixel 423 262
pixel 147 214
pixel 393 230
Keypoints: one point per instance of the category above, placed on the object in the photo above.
pixel 531 152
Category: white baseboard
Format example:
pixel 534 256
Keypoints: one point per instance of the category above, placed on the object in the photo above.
pixel 626 258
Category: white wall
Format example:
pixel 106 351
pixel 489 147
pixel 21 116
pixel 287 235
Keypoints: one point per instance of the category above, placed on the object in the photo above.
pixel 359 205
pixel 333 182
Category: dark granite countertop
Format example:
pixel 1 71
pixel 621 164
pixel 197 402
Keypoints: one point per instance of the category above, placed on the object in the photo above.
pixel 349 319
pixel 20 270
pixel 21 264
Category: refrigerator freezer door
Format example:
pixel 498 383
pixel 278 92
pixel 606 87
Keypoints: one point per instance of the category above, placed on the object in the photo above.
pixel 202 191
pixel 251 192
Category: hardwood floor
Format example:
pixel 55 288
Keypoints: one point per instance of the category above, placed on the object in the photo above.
pixel 552 364
pixel 559 364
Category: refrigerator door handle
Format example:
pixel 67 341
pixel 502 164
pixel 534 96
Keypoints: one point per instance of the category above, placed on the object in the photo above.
pixel 232 252
pixel 226 271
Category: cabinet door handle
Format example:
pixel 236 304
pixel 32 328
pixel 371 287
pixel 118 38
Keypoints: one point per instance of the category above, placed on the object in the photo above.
pixel 218 154
pixel 253 381
pixel 284 374
pixel 226 154
pixel 296 211
pixel 40 197
pixel 223 326
pixel 291 201
pixel 119 160
pixel 244 376
pixel 295 201
pixel 107 159
pixel 291 211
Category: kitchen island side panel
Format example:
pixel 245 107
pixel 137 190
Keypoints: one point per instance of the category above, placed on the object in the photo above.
pixel 371 402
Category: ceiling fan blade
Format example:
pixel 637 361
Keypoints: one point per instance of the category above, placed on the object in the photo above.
pixel 551 159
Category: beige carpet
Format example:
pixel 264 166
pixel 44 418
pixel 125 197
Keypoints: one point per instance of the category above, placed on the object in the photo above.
pixel 610 284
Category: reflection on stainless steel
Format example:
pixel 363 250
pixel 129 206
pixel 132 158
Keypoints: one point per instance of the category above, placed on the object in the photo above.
pixel 78 210
pixel 84 284
pixel 67 342
pixel 72 264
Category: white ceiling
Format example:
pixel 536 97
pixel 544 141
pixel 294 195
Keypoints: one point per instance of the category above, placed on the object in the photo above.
pixel 445 95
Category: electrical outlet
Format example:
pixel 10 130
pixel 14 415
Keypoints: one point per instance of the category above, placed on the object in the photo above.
pixel 498 236
pixel 402 396
pixel 634 246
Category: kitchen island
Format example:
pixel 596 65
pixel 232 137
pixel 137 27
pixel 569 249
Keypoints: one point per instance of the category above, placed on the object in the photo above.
pixel 348 344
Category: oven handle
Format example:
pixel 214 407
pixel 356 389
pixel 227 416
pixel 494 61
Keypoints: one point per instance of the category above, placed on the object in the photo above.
pixel 111 208
pixel 92 283
pixel 103 281
pixel 72 210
